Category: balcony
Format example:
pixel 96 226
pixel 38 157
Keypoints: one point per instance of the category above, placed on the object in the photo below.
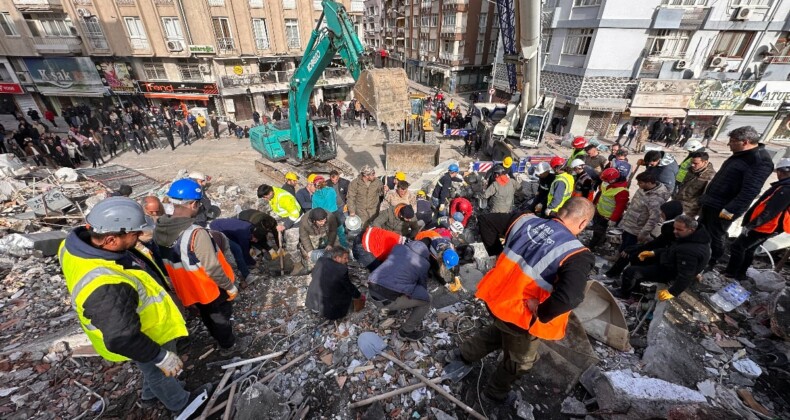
pixel 456 29
pixel 124 2
pixel 425 30
pixel 450 57
pixel 262 43
pixel 38 5
pixel 57 45
pixel 456 5
pixel 225 45
pixel 256 4
pixel 98 43
pixel 217 3
pixel 139 44
pixel 778 59
pixel 164 2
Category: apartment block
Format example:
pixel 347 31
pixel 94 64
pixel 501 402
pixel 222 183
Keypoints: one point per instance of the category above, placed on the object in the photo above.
pixel 449 44
pixel 722 62
pixel 229 56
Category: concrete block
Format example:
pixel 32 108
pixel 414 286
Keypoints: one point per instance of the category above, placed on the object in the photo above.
pixel 673 353
pixel 633 396
pixel 47 242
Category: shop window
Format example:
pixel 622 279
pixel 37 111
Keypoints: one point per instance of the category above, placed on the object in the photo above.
pixel 577 42
pixel 9 28
pixel 154 71
pixel 733 44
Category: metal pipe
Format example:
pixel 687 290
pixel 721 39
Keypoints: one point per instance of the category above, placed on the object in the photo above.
pixel 186 23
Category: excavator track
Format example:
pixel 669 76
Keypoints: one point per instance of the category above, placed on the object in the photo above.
pixel 276 171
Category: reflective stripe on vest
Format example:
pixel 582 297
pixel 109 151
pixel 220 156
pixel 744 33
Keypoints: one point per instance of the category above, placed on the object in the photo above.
pixel 771 225
pixel 683 170
pixel 606 202
pixel 527 269
pixel 159 316
pixel 380 242
pixel 566 179
pixel 191 282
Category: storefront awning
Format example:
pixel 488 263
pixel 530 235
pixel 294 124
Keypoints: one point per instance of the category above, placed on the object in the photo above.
pixel 711 112
pixel 658 112
pixel 181 96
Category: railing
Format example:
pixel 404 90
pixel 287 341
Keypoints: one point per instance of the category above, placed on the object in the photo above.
pixel 124 2
pixel 262 43
pixel 37 3
pixel 456 2
pixel 294 43
pixel 780 59
pixel 453 29
pixel 225 44
pixel 163 2
pixel 98 43
pixel 139 43
pixel 451 57
pixel 48 43
pixel 425 29
pixel 216 2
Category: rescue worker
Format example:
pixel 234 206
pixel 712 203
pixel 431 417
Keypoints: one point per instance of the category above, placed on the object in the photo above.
pixel 207 211
pixel 585 181
pixel 424 210
pixel 317 234
pixel 283 205
pixel 400 195
pixel 680 263
pixel 769 216
pixel 463 207
pixel 390 182
pixel 545 179
pixel 400 283
pixel 304 196
pixel 579 143
pixel 363 195
pixel 610 204
pixel 340 185
pixel 400 219
pixel 696 179
pixel 530 292
pixel 444 259
pixel 291 182
pixel 331 294
pixel 374 246
pixel 444 189
pixel 691 147
pixel 561 189
pixel 241 236
pixel 198 270
pixel 264 226
pixel 501 192
pixel 121 299
pixel 663 166
pixel 594 159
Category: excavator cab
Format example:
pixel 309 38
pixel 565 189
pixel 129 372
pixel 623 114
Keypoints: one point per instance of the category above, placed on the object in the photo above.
pixel 326 144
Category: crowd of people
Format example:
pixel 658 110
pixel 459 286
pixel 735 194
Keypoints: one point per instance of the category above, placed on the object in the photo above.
pixel 135 266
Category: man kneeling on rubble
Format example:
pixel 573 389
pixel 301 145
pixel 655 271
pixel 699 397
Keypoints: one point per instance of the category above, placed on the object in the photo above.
pixel 331 293
pixel 400 282
pixel 686 257
pixel 317 235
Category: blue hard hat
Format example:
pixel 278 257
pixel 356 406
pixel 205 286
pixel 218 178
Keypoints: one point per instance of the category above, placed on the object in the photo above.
pixel 453 167
pixel 458 216
pixel 450 258
pixel 185 189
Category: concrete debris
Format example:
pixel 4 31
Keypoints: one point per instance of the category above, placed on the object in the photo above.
pixel 573 407
pixel 67 175
pixel 779 312
pixel 748 368
pixel 767 280
pixel 260 402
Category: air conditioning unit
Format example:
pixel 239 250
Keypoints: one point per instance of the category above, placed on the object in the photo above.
pixel 744 13
pixel 681 65
pixel 23 77
pixel 718 62
pixel 205 68
pixel 175 46
pixel 84 13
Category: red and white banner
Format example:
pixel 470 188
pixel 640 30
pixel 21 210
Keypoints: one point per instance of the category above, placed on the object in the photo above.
pixel 11 88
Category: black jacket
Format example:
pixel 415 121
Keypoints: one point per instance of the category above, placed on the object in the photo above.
pixel 330 291
pixel 444 187
pixel 113 308
pixel 341 188
pixel 738 181
pixel 684 259
pixel 778 203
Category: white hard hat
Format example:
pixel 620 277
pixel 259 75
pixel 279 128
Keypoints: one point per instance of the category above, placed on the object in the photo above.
pixel 353 223
pixel 542 168
pixel 577 163
pixel 693 145
pixel 457 227
pixel 197 175
pixel 784 164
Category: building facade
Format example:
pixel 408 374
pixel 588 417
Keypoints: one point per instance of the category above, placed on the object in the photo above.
pixel 722 62
pixel 228 56
pixel 446 44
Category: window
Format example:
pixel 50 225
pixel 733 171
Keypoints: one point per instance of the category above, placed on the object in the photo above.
pixel 317 5
pixel 578 3
pixel 448 19
pixel 545 41
pixel 416 20
pixel 684 2
pixel 426 21
pixel 483 17
pixel 9 28
pixel 55 27
pixel 216 2
pixel 432 45
pixel 256 4
pixel 577 42
pixel 289 4
pixel 137 35
pixel 260 34
pixel 94 32
pixel 739 3
pixel 434 20
pixel 190 72
pixel 154 71
pixel 413 43
pixel 292 33
pixel 493 47
pixel 222 31
pixel 172 28
pixel 668 43
pixel 733 44
pixel 480 46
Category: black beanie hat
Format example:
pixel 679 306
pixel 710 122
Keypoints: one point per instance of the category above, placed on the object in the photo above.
pixel 672 209
pixel 407 212
pixel 317 214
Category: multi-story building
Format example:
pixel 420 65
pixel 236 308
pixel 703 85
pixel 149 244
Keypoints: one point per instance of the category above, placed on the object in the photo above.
pixel 705 61
pixel 449 44
pixel 231 56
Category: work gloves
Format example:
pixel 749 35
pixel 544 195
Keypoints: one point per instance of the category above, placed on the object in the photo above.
pixel 645 255
pixel 232 293
pixel 724 214
pixel 171 365
pixel 664 295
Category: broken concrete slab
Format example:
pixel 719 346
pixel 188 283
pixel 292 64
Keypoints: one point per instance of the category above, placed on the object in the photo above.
pixel 779 312
pixel 49 202
pixel 564 361
pixel 767 280
pixel 260 402
pixel 21 245
pixel 629 395
pixel 573 407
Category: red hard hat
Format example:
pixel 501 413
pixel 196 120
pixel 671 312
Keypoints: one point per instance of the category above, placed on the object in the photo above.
pixel 556 161
pixel 579 142
pixel 610 175
pixel 464 206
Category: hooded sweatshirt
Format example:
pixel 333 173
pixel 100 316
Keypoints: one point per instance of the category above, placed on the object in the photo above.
pixel 666 171
pixel 169 229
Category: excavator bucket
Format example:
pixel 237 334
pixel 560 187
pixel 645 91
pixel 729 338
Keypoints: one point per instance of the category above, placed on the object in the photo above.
pixel 385 94
pixel 602 318
pixel 564 361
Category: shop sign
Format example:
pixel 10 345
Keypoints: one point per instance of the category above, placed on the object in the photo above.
pixel 603 104
pixel 65 76
pixel 117 77
pixel 655 93
pixel 11 88
pixel 721 94
pixel 178 87
pixel 783 131
pixel 768 96
pixel 202 49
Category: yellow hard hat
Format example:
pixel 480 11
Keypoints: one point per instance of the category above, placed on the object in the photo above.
pixel 310 178
pixel 291 176
pixel 421 193
pixel 400 176
pixel 507 162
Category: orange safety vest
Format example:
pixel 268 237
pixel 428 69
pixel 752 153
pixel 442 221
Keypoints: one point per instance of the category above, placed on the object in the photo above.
pixel 190 280
pixel 771 225
pixel 430 233
pixel 534 251
pixel 380 242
